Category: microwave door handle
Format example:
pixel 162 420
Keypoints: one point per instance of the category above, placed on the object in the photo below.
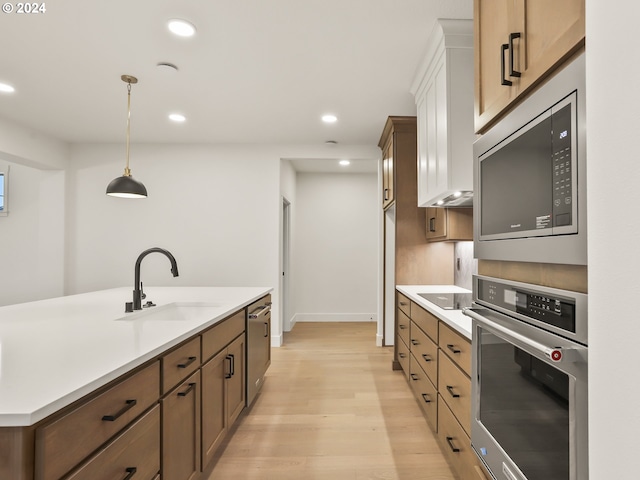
pixel 556 354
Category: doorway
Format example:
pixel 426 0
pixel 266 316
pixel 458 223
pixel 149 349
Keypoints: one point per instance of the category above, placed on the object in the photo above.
pixel 285 265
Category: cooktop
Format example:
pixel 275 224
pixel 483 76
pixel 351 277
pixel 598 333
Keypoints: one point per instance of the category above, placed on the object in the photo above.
pixel 449 301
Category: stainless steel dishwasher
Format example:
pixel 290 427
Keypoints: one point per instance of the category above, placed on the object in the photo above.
pixel 258 345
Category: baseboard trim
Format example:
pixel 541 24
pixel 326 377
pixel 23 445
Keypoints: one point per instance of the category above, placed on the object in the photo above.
pixel 334 317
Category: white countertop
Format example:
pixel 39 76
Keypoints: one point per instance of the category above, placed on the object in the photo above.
pixel 454 318
pixel 53 352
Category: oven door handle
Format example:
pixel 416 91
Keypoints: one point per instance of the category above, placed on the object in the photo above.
pixel 555 354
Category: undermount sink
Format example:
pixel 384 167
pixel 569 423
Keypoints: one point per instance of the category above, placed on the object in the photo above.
pixel 177 311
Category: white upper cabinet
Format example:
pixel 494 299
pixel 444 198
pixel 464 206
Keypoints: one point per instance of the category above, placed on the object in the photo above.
pixel 444 93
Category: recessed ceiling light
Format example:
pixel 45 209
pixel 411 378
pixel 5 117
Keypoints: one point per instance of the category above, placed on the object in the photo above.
pixel 344 163
pixel 177 117
pixel 182 27
pixel 6 88
pixel 329 118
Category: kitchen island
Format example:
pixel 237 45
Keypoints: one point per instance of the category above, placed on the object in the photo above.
pixel 61 355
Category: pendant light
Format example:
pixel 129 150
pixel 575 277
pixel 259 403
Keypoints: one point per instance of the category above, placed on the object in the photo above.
pixel 126 186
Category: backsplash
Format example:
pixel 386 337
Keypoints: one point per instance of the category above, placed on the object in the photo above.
pixel 465 265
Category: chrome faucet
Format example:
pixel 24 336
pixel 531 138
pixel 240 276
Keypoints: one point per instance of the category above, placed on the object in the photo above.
pixel 138 293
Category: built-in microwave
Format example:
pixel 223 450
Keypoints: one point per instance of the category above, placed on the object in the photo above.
pixel 530 177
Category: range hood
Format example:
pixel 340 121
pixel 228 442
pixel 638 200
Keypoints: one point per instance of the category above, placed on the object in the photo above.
pixel 455 199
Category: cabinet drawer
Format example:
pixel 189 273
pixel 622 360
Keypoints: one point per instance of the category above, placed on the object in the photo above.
pixel 134 452
pixel 425 353
pixel 455 388
pixel 455 443
pixel 427 322
pixel 425 392
pixel 63 443
pixel 457 347
pixel 403 356
pixel 404 304
pixel 180 363
pixel 221 334
pixel 404 326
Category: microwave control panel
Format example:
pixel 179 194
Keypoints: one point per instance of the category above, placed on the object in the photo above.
pixel 562 166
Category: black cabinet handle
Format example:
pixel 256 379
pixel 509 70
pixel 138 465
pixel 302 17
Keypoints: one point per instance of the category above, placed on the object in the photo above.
pixel 386 194
pixel 512 37
pixel 404 304
pixel 402 355
pixel 451 392
pixel 426 357
pixel 426 398
pixel 503 48
pixel 415 342
pixel 266 329
pixel 432 224
pixel 450 442
pixel 189 361
pixel 414 377
pixel 131 471
pixel 453 348
pixel 229 373
pixel 112 418
pixel 186 392
pixel 402 327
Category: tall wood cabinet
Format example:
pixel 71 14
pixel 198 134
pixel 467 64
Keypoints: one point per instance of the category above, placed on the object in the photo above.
pixel 517 45
pixel 409 258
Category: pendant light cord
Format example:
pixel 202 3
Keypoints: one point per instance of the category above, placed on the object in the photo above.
pixel 127 170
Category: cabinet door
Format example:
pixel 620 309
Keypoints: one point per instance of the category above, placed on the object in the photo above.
pixel 181 431
pixel 214 416
pixel 387 175
pixel 436 223
pixel 236 381
pixel 551 30
pixel 492 22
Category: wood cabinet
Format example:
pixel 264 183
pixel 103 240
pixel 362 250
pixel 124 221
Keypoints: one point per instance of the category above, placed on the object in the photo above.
pixel 388 178
pixel 519 44
pixel 438 370
pixel 449 224
pixel 443 91
pixel 181 430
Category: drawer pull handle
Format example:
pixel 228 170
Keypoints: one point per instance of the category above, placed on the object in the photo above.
pixel 414 377
pixel 426 398
pixel 414 342
pixel 404 304
pixel 231 369
pixel 266 329
pixel 112 418
pixel 451 392
pixel 131 471
pixel 188 362
pixel 402 327
pixel 186 392
pixel 450 442
pixel 453 348
pixel 426 357
pixel 402 355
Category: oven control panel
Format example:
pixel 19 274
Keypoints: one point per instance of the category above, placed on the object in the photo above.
pixel 528 303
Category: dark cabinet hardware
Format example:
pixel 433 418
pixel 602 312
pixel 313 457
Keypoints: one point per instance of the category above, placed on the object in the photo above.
pixel 402 327
pixel 386 194
pixel 504 47
pixel 131 471
pixel 426 357
pixel 112 418
pixel 426 398
pixel 414 377
pixel 189 361
pixel 451 446
pixel 432 224
pixel 229 373
pixel 404 304
pixel 266 329
pixel 402 355
pixel 186 392
pixel 453 348
pixel 451 392
pixel 414 342
pixel 512 37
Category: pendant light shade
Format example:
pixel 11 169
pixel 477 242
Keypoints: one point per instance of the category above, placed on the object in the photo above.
pixel 126 186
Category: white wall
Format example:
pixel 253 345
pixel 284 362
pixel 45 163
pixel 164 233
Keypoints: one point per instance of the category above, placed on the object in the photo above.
pixel 215 208
pixel 288 194
pixel 32 234
pixel 337 241
pixel 613 122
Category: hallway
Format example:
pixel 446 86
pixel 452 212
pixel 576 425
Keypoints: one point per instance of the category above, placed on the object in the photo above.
pixel 332 408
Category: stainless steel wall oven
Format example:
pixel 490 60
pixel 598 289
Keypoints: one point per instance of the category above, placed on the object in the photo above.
pixel 529 380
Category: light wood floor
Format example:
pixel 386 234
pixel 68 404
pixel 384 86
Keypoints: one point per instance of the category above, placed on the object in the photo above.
pixel 332 409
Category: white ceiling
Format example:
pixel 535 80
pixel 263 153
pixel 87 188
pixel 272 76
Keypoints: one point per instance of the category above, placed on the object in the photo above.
pixel 257 71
